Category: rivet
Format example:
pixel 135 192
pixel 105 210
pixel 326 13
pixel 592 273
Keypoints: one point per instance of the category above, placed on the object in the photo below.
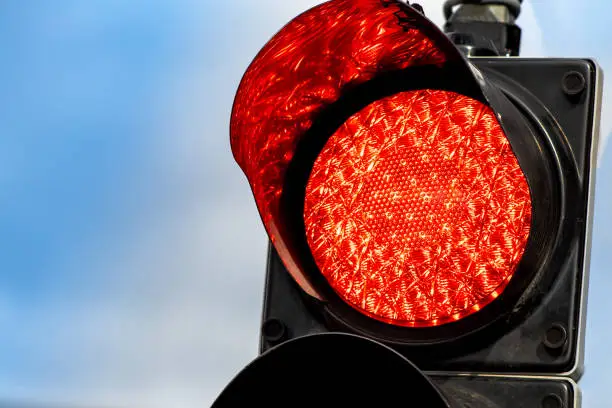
pixel 274 330
pixel 552 401
pixel 573 83
pixel 555 337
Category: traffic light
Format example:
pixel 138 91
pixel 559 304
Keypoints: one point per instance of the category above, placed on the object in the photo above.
pixel 428 198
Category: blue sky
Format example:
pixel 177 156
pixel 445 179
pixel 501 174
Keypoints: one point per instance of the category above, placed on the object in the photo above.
pixel 131 253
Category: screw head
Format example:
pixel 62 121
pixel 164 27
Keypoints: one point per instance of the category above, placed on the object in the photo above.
pixel 552 401
pixel 555 337
pixel 573 83
pixel 274 330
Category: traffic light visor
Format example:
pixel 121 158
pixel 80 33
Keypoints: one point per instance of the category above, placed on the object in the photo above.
pixel 330 369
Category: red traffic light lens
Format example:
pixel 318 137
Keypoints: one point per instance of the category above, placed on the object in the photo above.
pixel 417 212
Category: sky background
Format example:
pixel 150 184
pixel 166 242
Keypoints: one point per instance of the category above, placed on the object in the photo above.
pixel 132 257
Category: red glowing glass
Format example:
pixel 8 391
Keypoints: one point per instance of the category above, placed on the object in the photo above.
pixel 305 67
pixel 417 212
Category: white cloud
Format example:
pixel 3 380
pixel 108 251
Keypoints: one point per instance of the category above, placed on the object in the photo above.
pixel 185 322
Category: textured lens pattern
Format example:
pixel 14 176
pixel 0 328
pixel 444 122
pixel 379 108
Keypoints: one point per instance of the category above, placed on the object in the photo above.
pixel 417 212
pixel 307 66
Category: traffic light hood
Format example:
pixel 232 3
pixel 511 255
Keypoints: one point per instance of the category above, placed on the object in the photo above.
pixel 331 369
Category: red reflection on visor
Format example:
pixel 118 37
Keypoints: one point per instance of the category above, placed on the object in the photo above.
pixel 307 66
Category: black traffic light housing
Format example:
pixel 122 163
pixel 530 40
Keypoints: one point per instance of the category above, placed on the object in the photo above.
pixel 545 335
pixel 525 348
pixel 336 369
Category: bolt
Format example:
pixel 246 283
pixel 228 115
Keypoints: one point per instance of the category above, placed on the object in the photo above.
pixel 274 330
pixel 573 83
pixel 555 337
pixel 552 401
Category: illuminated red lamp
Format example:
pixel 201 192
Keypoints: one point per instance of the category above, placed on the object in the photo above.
pixel 416 211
